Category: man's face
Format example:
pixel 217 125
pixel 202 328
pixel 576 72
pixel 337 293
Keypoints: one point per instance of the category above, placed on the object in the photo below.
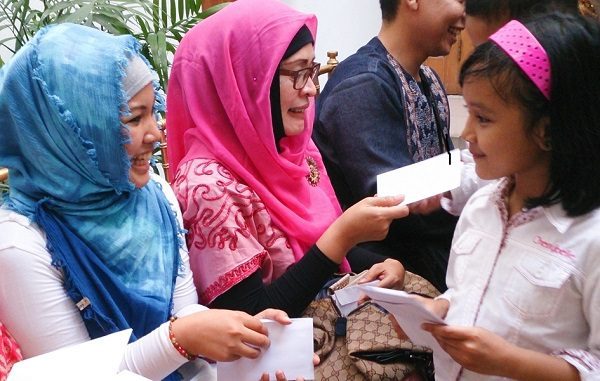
pixel 441 21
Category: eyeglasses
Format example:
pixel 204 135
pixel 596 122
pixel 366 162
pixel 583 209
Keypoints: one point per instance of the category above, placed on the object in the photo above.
pixel 301 76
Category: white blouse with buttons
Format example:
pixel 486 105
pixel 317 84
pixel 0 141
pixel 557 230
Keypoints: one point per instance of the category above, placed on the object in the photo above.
pixel 533 279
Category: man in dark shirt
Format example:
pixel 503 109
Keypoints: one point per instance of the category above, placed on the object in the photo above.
pixel 383 109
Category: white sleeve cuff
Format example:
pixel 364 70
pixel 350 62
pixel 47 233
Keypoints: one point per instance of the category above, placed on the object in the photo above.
pixel 153 356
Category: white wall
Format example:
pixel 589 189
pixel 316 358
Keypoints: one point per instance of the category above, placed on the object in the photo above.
pixel 344 25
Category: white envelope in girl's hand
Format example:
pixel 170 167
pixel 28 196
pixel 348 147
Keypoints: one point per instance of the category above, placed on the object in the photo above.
pixel 410 314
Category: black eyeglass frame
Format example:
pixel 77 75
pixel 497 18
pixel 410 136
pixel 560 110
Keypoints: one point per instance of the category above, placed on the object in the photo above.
pixel 304 73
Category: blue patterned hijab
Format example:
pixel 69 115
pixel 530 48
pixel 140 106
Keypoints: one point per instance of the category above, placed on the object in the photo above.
pixel 61 99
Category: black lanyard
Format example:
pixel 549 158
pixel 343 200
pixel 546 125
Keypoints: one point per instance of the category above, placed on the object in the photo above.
pixel 443 138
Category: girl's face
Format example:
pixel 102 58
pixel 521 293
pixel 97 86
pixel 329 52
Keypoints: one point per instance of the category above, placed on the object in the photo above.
pixel 497 135
pixel 295 102
pixel 144 133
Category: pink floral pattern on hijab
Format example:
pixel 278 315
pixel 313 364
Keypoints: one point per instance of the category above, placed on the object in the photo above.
pixel 9 352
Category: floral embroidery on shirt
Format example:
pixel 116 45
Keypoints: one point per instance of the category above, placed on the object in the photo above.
pixel 230 232
pixel 499 199
pixel 518 219
pixel 233 277
pixel 583 358
pixel 234 199
pixel 422 133
pixel 9 352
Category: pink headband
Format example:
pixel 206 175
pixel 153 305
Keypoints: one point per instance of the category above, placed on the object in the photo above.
pixel 522 46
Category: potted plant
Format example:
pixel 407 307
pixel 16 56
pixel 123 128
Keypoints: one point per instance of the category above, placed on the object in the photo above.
pixel 158 24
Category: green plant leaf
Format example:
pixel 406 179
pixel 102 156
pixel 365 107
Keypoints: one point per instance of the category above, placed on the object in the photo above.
pixel 111 23
pixel 155 13
pixel 212 10
pixel 163 13
pixel 158 24
pixel 181 9
pixel 55 9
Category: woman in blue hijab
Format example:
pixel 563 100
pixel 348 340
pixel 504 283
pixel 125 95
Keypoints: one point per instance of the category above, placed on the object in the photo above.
pixel 91 242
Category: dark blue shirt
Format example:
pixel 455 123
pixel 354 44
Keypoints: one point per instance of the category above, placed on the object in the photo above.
pixel 372 117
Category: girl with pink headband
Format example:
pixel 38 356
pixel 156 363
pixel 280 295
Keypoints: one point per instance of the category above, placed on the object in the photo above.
pixel 523 299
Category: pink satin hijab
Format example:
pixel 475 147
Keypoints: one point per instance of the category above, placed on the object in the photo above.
pixel 218 107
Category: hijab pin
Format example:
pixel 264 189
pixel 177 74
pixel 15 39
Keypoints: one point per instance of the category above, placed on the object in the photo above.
pixel 313 176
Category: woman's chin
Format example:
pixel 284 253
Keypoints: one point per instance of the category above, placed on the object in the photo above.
pixel 293 126
pixel 138 179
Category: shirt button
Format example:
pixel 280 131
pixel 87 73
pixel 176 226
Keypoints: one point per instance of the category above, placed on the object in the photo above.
pixel 539 272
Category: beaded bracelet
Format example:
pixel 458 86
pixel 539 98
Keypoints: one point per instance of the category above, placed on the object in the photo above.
pixel 178 346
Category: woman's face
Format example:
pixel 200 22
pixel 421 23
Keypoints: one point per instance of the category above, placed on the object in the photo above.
pixel 144 133
pixel 295 102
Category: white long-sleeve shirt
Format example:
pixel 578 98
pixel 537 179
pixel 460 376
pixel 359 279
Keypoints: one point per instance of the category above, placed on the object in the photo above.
pixel 40 315
pixel 534 280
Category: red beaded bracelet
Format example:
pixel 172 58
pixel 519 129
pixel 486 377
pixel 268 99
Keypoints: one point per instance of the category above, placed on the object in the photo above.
pixel 178 346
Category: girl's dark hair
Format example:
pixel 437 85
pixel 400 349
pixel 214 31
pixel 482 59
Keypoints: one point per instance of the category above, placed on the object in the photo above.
pixel 516 9
pixel 572 43
pixel 389 9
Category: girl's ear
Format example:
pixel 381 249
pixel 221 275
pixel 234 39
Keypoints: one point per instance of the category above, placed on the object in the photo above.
pixel 541 136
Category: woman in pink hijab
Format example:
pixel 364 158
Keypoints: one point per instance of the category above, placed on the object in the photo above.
pixel 264 226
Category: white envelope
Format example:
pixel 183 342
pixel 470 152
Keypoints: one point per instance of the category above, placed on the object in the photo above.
pixel 97 359
pixel 410 315
pixel 423 179
pixel 346 299
pixel 291 351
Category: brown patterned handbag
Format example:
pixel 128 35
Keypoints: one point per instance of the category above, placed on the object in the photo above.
pixel 364 345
